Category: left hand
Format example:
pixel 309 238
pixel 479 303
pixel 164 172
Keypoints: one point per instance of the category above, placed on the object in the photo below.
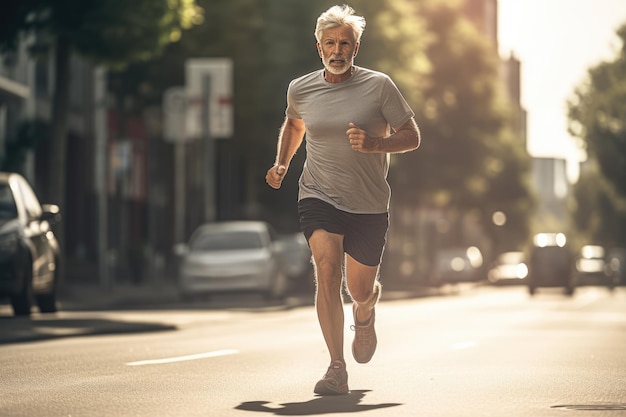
pixel 359 141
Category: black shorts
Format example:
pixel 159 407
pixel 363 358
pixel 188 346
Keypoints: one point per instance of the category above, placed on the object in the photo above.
pixel 364 235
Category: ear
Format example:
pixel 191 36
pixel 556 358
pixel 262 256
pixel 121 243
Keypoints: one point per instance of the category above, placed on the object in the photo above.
pixel 356 48
pixel 319 50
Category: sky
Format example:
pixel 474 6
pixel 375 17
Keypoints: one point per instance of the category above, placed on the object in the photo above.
pixel 557 41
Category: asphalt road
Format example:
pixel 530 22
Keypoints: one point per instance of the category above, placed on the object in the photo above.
pixel 480 352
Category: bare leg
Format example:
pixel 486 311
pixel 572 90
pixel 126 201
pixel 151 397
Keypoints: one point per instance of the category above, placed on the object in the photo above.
pixel 365 290
pixel 327 250
pixel 360 280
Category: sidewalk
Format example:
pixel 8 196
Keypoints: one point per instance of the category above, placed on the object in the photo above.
pixel 126 295
pixel 129 296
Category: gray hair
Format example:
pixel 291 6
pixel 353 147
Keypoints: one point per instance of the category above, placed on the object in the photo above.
pixel 340 16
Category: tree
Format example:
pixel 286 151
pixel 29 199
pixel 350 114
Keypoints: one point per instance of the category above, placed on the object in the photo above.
pixel 459 115
pixel 470 159
pixel 598 211
pixel 597 116
pixel 110 32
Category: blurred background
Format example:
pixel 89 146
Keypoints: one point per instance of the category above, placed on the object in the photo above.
pixel 144 119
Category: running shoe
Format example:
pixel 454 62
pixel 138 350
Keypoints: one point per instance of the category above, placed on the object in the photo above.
pixel 364 343
pixel 335 381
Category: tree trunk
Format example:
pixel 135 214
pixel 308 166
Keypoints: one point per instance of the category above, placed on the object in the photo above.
pixel 58 155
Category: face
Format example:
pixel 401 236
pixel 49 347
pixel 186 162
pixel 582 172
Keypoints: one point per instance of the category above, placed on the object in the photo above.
pixel 337 48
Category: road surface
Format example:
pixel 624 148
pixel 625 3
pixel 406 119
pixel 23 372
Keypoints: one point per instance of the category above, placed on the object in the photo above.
pixel 479 352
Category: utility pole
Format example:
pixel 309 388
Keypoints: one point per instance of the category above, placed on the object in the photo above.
pixel 100 174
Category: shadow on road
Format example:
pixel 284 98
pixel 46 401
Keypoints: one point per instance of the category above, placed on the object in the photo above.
pixel 24 329
pixel 319 405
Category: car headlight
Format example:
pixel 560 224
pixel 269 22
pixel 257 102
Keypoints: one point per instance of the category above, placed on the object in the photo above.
pixel 8 242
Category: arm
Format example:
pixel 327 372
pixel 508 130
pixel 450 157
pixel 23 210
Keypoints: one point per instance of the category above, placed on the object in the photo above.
pixel 289 140
pixel 405 138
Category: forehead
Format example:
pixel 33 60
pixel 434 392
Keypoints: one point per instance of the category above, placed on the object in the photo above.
pixel 340 32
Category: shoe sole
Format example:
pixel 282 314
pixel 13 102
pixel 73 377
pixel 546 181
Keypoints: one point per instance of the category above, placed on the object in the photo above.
pixel 321 388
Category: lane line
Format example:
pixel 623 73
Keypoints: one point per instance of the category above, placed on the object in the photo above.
pixel 216 353
pixel 463 345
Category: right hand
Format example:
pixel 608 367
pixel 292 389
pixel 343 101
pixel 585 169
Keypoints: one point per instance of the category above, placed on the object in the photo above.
pixel 275 175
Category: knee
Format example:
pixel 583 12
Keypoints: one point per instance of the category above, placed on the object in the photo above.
pixel 328 276
pixel 362 293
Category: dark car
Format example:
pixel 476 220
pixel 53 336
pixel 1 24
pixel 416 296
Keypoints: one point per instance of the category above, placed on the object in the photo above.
pixel 551 264
pixel 29 251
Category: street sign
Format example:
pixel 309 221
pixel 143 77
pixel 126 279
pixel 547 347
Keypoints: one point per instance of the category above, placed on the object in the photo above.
pixel 208 83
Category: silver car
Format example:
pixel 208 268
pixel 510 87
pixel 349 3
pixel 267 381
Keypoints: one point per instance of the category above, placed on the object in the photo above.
pixel 230 257
pixel 456 265
pixel 508 268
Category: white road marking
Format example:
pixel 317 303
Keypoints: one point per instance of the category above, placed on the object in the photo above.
pixel 193 357
pixel 463 345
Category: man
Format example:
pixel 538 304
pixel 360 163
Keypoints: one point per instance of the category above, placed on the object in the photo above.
pixel 348 114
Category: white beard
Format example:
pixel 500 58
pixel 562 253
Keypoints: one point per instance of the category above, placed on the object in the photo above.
pixel 337 70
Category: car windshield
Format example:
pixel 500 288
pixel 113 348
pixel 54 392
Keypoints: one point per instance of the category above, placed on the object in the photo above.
pixel 227 241
pixel 8 210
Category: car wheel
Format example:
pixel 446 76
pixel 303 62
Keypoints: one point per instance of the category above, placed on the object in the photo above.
pixel 22 302
pixel 611 285
pixel 278 286
pixel 47 303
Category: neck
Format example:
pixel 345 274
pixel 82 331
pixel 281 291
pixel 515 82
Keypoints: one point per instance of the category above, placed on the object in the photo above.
pixel 338 78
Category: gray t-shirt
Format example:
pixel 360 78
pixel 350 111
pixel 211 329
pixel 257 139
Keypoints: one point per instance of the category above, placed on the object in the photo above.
pixel 333 172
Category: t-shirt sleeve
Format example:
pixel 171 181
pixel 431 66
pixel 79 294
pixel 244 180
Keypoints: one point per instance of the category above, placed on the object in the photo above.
pixel 292 109
pixel 394 107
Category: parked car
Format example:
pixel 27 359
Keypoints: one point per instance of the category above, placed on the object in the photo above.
pixel 297 256
pixel 592 267
pixel 616 261
pixel 29 251
pixel 551 263
pixel 456 265
pixel 298 263
pixel 231 257
pixel 508 268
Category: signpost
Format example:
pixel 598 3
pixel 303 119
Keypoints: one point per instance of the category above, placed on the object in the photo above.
pixel 201 110
pixel 208 83
pixel 175 112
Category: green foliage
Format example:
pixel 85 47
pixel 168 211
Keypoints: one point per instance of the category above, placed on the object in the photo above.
pixel 598 211
pixel 464 119
pixel 114 32
pixel 509 193
pixel 597 116
pixel 30 134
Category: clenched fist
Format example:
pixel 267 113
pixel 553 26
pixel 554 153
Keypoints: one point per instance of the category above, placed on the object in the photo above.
pixel 275 175
pixel 359 140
